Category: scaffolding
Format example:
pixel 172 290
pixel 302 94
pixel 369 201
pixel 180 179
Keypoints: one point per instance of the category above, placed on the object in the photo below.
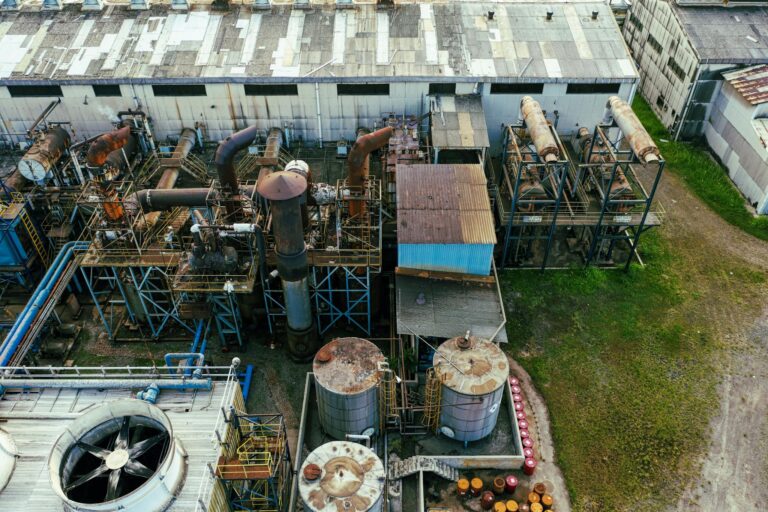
pixel 254 468
pixel 22 241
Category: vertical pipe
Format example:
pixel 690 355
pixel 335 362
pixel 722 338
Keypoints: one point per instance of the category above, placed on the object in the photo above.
pixel 284 190
pixel 225 166
pixel 358 160
pixel 319 116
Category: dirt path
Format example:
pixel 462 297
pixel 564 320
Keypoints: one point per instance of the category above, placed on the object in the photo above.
pixel 734 469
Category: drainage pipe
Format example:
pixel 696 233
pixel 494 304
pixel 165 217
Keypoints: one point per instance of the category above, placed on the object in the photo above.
pixel 224 162
pixel 538 129
pixel 635 134
pixel 284 190
pixel 37 301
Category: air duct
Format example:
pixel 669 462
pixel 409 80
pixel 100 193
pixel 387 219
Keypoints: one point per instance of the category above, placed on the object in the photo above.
pixel 101 148
pixel 538 129
pixel 635 134
pixel 37 163
pixel 225 166
pixel 359 161
pixel 284 190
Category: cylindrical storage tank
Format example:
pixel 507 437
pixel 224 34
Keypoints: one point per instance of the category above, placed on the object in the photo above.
pixel 347 376
pixel 342 475
pixel 41 158
pixel 473 372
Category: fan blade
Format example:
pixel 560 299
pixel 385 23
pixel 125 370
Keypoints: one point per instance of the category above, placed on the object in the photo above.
pixel 113 484
pixel 122 436
pixel 136 468
pixel 94 450
pixel 87 477
pixel 142 446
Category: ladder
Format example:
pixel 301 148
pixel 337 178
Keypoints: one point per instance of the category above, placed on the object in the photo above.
pixel 34 236
pixel 227 315
pixel 388 399
pixel 196 168
pixel 432 397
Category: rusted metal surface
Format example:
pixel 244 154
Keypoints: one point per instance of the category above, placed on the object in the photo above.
pixel 634 133
pixel 621 188
pixel 478 370
pixel 282 185
pixel 538 129
pixel 44 153
pixel 99 150
pixel 751 83
pixel 359 162
pixel 348 365
pixel 351 479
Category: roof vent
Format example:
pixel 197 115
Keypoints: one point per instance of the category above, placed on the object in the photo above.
pixel 594 15
pixel 92 5
pixel 119 456
pixel 550 12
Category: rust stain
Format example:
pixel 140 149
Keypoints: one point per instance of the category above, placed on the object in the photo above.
pixel 348 365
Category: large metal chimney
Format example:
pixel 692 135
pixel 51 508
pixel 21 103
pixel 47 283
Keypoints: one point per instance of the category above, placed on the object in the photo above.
pixel 285 191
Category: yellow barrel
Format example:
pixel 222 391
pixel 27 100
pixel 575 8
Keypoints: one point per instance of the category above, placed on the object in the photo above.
pixel 536 507
pixel 499 506
pixel 547 501
pixel 475 486
pixel 512 506
pixel 533 498
pixel 462 486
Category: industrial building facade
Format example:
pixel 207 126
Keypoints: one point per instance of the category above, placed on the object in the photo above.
pixel 682 48
pixel 319 73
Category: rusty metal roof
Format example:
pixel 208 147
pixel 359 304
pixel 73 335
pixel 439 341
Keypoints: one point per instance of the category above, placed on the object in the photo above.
pixel 348 365
pixel 751 83
pixel 443 204
pixel 477 370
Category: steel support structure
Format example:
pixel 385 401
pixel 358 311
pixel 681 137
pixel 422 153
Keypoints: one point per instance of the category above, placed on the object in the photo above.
pixel 342 293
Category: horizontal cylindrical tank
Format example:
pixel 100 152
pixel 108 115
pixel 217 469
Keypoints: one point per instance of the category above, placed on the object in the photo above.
pixel 36 164
pixel 538 129
pixel 347 376
pixel 634 132
pixel 342 475
pixel 473 372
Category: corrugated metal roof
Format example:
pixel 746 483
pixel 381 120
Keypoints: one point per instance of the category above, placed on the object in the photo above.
pixel 451 41
pixel 458 122
pixel 752 83
pixel 443 204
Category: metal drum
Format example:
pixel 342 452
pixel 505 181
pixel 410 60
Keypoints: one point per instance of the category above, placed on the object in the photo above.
pixel 342 475
pixel 473 372
pixel 347 376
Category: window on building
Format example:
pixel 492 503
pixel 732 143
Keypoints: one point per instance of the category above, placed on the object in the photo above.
pixel 593 88
pixel 442 89
pixel 636 22
pixel 271 89
pixel 106 90
pixel 362 89
pixel 34 91
pixel 676 69
pixel 522 88
pixel 660 101
pixel 179 90
pixel 654 43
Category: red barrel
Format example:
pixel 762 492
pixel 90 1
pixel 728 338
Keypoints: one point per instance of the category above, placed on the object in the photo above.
pixel 527 442
pixel 517 398
pixel 516 390
pixel 520 415
pixel 514 381
pixel 519 406
pixel 524 434
pixel 522 424
pixel 487 500
pixel 528 453
pixel 529 466
pixel 510 483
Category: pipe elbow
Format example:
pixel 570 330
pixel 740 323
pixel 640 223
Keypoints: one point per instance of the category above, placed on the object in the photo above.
pixel 105 144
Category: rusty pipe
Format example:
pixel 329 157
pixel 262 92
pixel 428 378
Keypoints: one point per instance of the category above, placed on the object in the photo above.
pixel 538 129
pixel 635 134
pixel 225 166
pixel 101 148
pixel 359 162
pixel 156 200
pixel 117 160
pixel 168 179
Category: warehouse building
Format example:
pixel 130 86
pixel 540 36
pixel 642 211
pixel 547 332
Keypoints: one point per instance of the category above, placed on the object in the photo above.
pixel 317 71
pixel 682 48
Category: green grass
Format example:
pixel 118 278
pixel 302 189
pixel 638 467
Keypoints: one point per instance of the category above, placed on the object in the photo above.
pixel 707 179
pixel 624 361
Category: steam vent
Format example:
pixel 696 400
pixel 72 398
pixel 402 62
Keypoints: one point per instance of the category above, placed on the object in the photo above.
pixel 473 372
pixel 342 476
pixel 347 374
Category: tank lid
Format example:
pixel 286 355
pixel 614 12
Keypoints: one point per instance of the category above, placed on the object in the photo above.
pixel 477 370
pixel 351 478
pixel 282 185
pixel 348 365
pixel 8 453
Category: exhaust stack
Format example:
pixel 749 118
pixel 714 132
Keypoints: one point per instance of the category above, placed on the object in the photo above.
pixel 359 161
pixel 637 137
pixel 285 191
pixel 538 129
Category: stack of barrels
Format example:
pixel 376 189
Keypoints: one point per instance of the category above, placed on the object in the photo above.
pixel 529 465
pixel 539 499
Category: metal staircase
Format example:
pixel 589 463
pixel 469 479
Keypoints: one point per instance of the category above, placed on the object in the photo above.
pixel 432 400
pixel 34 236
pixel 403 468
pixel 227 316
pixel 196 168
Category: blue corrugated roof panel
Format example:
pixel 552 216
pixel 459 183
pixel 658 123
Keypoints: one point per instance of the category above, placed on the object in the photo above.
pixel 459 258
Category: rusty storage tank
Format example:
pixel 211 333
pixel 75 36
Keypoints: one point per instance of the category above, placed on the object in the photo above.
pixel 347 376
pixel 38 162
pixel 342 475
pixel 473 372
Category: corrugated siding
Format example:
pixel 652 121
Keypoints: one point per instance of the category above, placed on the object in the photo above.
pixel 461 258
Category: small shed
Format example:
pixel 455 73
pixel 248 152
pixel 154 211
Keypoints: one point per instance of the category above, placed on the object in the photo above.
pixel 444 220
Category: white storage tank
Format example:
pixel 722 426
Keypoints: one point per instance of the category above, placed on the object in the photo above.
pixel 473 372
pixel 342 475
pixel 347 376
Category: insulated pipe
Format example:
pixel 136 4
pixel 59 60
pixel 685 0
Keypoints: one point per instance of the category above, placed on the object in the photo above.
pixel 637 137
pixel 85 383
pixel 101 148
pixel 538 129
pixel 37 301
pixel 117 160
pixel 359 160
pixel 284 190
pixel 152 199
pixel 224 162
pixel 168 179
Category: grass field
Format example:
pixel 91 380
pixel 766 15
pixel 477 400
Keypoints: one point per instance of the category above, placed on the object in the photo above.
pixel 704 176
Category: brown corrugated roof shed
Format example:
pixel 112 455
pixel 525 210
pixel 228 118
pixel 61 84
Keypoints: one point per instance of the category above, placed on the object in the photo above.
pixel 443 204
